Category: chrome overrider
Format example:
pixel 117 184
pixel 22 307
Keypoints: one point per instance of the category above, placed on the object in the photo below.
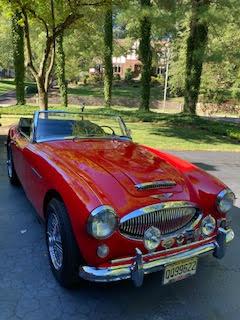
pixel 139 268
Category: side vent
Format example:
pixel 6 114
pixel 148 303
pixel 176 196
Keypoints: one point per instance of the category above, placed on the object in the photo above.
pixel 155 185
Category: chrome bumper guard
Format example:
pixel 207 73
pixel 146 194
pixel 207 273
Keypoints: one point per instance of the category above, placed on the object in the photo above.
pixel 139 268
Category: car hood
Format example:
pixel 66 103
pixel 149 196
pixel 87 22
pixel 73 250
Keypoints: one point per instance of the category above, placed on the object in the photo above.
pixel 127 162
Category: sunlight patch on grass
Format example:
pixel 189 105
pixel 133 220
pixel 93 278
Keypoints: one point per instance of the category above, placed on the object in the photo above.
pixel 6 86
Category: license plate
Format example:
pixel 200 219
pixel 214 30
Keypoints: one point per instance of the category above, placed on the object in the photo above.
pixel 180 270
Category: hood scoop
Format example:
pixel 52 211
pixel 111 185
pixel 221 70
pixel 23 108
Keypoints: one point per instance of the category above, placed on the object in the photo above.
pixel 155 185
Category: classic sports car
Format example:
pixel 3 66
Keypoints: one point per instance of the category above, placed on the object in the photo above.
pixel 115 209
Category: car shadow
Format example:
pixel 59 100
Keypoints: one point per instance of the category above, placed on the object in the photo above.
pixel 205 166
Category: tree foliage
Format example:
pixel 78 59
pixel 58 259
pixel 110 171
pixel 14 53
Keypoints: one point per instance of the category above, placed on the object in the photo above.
pixel 204 35
pixel 54 17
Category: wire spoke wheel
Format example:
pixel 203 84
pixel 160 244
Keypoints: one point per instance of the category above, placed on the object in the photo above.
pixel 9 163
pixel 55 246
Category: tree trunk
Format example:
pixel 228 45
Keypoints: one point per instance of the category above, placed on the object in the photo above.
pixel 18 57
pixel 145 52
pixel 60 70
pixel 43 100
pixel 108 49
pixel 196 45
pixel 42 95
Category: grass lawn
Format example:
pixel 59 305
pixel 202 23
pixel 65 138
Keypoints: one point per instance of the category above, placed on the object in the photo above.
pixel 6 85
pixel 130 91
pixel 9 85
pixel 164 131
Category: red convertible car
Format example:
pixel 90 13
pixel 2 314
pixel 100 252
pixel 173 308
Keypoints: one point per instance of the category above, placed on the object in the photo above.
pixel 114 209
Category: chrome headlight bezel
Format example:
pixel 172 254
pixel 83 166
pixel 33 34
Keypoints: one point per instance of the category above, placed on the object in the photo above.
pixel 103 213
pixel 225 200
pixel 208 226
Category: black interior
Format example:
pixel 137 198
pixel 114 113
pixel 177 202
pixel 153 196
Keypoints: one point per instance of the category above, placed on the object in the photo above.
pixel 25 126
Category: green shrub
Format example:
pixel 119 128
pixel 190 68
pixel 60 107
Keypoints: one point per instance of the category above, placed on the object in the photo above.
pixel 94 78
pixel 157 81
pixel 116 77
pixel 217 96
pixel 128 74
pixel 236 94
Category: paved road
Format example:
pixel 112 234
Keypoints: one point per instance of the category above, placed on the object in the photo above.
pixel 28 291
pixel 8 98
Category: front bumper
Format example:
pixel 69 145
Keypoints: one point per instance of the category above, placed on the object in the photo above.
pixel 138 268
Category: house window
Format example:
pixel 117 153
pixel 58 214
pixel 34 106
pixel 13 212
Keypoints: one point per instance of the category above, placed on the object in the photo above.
pixel 116 68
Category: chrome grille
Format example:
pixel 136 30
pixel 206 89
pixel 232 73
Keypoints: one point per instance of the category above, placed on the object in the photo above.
pixel 164 217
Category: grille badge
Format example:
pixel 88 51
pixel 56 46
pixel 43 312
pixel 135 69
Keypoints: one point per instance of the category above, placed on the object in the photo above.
pixel 180 239
pixel 162 196
pixel 168 243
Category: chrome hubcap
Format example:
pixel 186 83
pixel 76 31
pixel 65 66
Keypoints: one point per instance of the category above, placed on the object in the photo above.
pixel 9 164
pixel 54 241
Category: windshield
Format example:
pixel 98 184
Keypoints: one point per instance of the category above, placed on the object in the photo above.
pixel 55 125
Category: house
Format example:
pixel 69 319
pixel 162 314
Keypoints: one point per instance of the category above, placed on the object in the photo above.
pixel 7 73
pixel 131 61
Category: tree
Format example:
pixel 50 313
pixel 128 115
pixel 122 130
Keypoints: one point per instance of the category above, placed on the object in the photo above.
pixel 196 46
pixel 145 52
pixel 54 18
pixel 108 50
pixel 18 56
pixel 60 70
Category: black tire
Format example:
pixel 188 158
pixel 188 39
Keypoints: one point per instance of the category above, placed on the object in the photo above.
pixel 12 175
pixel 64 266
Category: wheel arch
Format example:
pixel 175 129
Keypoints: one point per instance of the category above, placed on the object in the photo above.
pixel 50 194
pixel 54 194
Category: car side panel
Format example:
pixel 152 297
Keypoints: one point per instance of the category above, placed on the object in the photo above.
pixel 18 144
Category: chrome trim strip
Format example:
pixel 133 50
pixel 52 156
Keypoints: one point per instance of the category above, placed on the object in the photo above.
pixel 157 207
pixel 24 135
pixel 36 173
pixel 155 185
pixel 83 138
pixel 129 271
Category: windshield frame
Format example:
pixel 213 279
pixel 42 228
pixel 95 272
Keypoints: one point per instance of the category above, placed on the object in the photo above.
pixel 118 118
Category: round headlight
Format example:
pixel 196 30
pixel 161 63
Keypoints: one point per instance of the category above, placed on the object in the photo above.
pixel 102 222
pixel 208 225
pixel 225 200
pixel 152 238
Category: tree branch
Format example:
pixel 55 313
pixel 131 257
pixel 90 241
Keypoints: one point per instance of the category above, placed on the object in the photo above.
pixel 28 44
pixel 50 68
pixel 71 18
pixel 36 16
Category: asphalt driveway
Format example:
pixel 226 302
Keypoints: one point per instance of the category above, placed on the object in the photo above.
pixel 29 291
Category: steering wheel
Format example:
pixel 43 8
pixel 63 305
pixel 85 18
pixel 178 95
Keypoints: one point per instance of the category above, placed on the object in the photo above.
pixel 113 132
